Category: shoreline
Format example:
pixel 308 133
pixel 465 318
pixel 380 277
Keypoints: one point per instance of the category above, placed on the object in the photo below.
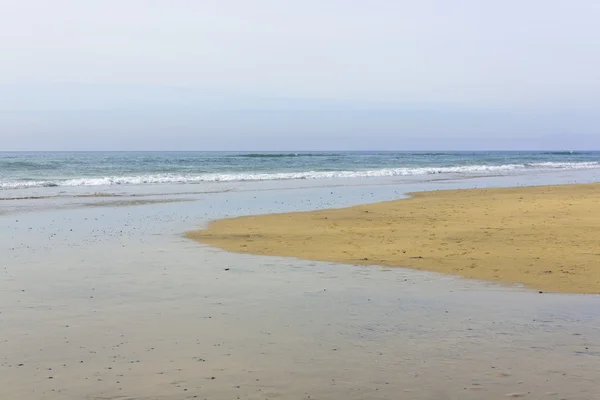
pixel 544 237
pixel 153 314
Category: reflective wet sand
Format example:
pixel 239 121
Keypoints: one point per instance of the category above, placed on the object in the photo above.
pixel 113 303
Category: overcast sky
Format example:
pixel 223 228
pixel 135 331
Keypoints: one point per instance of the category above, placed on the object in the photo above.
pixel 291 75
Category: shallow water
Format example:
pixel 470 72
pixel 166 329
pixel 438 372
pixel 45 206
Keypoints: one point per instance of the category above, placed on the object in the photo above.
pixel 113 303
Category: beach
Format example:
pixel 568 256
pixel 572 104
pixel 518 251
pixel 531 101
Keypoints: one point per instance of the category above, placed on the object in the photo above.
pixel 103 296
pixel 543 237
pixel 299 200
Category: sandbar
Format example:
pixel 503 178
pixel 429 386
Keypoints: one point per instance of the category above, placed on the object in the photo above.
pixel 543 237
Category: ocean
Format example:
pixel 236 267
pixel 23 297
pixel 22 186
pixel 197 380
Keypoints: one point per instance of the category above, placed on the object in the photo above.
pixel 21 170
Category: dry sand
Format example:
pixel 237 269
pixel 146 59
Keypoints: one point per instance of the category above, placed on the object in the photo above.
pixel 546 238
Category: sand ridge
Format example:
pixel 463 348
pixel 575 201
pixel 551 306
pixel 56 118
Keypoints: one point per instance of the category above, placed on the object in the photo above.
pixel 545 237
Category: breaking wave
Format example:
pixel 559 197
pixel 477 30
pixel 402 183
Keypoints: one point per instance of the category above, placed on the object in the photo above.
pixel 251 176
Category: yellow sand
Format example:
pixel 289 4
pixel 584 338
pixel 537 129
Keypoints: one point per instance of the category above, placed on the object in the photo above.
pixel 547 238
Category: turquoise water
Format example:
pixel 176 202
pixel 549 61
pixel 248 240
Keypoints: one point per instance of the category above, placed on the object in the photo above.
pixel 52 169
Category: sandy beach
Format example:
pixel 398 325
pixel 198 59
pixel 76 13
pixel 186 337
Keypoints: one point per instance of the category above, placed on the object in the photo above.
pixel 112 301
pixel 543 237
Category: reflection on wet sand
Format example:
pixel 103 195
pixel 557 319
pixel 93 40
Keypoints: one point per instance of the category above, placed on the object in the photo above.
pixel 129 203
pixel 175 321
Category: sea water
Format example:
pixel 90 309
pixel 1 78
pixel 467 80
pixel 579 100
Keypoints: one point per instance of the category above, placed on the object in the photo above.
pixel 97 169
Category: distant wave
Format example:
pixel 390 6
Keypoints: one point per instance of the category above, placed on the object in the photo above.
pixel 282 155
pixel 566 153
pixel 429 154
pixel 250 176
pixel 16 165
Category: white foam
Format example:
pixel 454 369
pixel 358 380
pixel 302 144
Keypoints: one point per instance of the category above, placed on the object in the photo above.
pixel 249 176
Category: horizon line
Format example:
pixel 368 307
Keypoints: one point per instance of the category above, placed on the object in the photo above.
pixel 302 151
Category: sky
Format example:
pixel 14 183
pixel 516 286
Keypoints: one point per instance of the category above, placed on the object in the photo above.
pixel 299 75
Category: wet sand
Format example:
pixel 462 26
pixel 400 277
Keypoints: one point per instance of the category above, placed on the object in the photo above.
pixel 129 203
pixel 114 303
pixel 544 237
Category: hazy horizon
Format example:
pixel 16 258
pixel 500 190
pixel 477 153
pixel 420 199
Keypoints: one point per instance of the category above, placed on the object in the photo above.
pixel 266 76
pixel 340 150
